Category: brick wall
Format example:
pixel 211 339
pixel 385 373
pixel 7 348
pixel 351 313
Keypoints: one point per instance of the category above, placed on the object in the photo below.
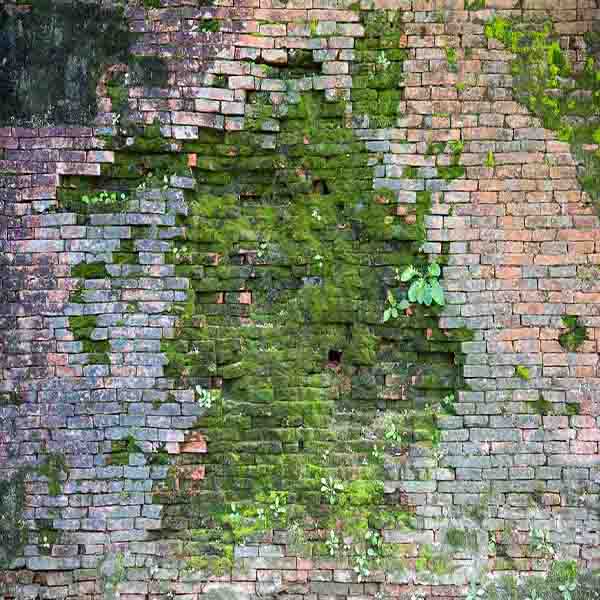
pixel 521 246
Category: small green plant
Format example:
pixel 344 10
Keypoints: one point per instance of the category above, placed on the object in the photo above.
pixel 183 255
pixel 103 198
pixel 447 404
pixel 452 58
pixel 331 489
pixel 425 287
pixel 540 542
pixel 393 433
pixel 205 398
pixel 395 308
pixel 476 592
pixel 383 61
pixel 567 589
pixel 456 146
pixel 278 505
pixel 435 148
pixel 575 335
pixel 368 554
pixel 490 161
pixel 522 373
pixel 333 543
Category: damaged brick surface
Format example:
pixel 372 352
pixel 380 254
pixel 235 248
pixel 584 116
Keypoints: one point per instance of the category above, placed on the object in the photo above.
pixel 135 332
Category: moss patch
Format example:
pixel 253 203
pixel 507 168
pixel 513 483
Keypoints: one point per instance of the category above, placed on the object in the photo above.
pixel 566 102
pixel 575 335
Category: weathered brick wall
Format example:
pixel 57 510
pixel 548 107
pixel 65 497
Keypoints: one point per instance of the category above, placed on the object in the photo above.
pixel 519 241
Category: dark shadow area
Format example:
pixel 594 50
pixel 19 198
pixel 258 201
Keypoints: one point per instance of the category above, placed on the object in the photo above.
pixel 51 57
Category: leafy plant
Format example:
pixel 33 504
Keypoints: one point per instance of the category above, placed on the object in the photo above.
pixel 522 372
pixel 330 488
pixel 205 398
pixel 456 146
pixel 183 255
pixel 333 543
pixel 393 433
pixel 278 505
pixel 475 591
pixel 447 404
pixel 575 335
pixel 395 308
pixel 567 589
pixel 490 160
pixel 452 58
pixel 103 198
pixel 425 287
pixel 540 542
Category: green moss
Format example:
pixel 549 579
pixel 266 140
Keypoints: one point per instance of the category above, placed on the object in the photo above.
pixel 566 102
pixel 121 449
pixel 296 226
pixel 95 270
pixel 543 406
pixel 52 468
pixel 575 335
pixel 462 539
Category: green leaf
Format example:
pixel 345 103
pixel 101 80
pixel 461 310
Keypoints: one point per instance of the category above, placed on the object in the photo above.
pixel 391 298
pixel 85 199
pixel 387 313
pixel 434 270
pixel 437 293
pixel 394 313
pixel 403 305
pixel 420 291
pixel 412 291
pixel 427 297
pixel 408 273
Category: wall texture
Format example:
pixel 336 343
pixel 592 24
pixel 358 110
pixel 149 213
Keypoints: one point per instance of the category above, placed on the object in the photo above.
pixel 197 386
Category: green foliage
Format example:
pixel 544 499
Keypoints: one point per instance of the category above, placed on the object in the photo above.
pixel 103 197
pixel 452 58
pixel 330 488
pixel 424 287
pixel 490 160
pixel 210 25
pixel 395 308
pixel 447 404
pixel 543 406
pixel 575 335
pixel 522 372
pixel 540 542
